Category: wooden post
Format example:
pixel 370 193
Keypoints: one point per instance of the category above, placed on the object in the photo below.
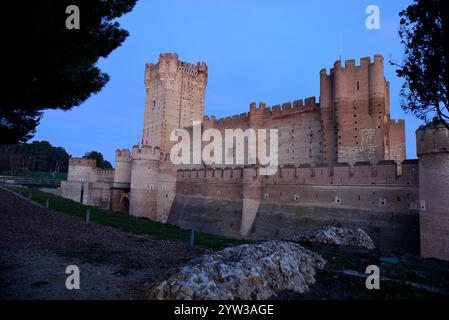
pixel 192 238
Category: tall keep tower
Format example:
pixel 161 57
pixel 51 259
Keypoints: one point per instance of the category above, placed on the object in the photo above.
pixel 174 99
pixel 175 93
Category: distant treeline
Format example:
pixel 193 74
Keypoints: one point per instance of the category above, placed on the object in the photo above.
pixel 35 156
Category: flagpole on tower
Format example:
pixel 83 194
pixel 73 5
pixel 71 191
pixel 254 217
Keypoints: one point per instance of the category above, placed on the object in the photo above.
pixel 341 46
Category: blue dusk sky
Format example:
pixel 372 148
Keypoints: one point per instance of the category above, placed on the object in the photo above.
pixel 269 51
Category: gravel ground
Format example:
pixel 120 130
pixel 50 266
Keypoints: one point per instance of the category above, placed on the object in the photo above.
pixel 37 244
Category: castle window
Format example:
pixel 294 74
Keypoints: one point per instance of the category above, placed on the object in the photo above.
pixel 358 85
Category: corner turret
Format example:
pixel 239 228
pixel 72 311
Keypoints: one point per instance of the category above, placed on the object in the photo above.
pixel 433 152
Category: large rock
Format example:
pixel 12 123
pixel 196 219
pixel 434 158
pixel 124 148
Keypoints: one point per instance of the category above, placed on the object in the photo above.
pixel 339 236
pixel 244 272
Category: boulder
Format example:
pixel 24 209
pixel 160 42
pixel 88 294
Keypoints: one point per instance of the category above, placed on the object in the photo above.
pixel 249 272
pixel 339 236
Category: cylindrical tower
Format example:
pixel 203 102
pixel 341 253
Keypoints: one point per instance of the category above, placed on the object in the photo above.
pixel 378 105
pixel 344 131
pixel 144 182
pixel 433 152
pixel 122 175
pixel 327 118
pixel 377 81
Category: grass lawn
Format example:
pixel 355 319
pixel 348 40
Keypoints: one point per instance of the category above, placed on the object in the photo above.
pixel 125 222
pixel 38 175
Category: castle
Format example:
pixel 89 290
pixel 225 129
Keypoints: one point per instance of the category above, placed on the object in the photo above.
pixel 341 162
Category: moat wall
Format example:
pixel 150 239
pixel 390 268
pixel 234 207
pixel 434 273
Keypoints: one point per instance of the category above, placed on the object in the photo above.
pixel 220 217
pixel 373 198
pixel 389 230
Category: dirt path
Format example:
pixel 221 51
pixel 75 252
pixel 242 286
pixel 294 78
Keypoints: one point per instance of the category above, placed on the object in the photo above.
pixel 37 244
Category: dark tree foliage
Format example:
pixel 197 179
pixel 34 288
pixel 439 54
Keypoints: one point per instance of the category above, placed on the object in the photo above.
pixel 35 156
pixel 425 34
pixel 98 157
pixel 17 125
pixel 48 66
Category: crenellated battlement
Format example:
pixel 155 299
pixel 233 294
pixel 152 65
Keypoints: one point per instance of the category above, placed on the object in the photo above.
pixel 243 119
pixel 432 139
pixel 351 64
pixel 85 162
pixel 151 67
pixel 122 155
pixel 362 173
pixel 105 172
pixel 236 120
pixel 296 106
pixel 253 107
pixel 146 153
pixel 105 175
pixel 202 67
pixel 188 68
pixel 168 57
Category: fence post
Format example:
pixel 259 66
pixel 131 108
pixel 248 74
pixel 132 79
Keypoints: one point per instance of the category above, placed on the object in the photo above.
pixel 47 203
pixel 88 215
pixel 192 238
pixel 29 196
